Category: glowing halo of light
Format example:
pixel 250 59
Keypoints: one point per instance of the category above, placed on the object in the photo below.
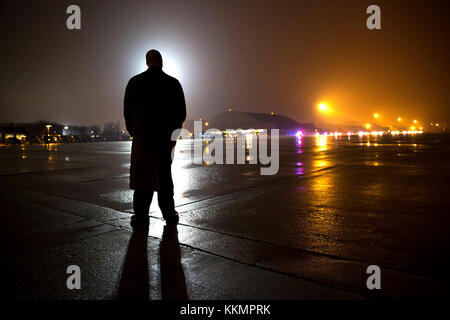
pixel 324 108
pixel 299 136
pixel 171 68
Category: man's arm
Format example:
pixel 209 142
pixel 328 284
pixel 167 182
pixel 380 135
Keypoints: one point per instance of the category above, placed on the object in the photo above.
pixel 180 106
pixel 128 108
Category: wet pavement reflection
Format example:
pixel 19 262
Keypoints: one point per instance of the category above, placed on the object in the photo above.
pixel 380 200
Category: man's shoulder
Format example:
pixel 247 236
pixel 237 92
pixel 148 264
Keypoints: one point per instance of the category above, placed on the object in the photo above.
pixel 137 77
pixel 145 76
pixel 172 81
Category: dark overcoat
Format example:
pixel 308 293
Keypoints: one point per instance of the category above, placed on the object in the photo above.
pixel 154 106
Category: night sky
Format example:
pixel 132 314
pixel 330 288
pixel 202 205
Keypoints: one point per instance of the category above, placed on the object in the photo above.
pixel 261 56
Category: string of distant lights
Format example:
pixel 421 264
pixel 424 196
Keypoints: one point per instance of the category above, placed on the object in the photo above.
pixel 415 127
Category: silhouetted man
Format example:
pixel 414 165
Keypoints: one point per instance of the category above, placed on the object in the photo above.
pixel 154 107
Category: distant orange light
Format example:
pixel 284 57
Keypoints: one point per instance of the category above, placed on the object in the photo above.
pixel 368 125
pixel 325 108
pixel 399 119
pixel 322 106
pixel 376 115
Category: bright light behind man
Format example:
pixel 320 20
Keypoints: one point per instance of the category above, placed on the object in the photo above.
pixel 171 68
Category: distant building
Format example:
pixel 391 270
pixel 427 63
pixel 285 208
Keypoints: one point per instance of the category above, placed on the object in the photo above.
pixel 45 132
pixel 11 130
pixel 252 120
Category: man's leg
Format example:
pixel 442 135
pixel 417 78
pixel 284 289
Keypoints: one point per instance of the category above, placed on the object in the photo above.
pixel 165 190
pixel 165 199
pixel 166 202
pixel 141 207
pixel 141 202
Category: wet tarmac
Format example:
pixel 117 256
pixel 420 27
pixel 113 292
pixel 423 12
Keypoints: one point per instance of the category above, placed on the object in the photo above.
pixel 335 207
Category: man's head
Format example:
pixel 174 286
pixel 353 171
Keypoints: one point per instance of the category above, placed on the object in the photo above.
pixel 154 58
